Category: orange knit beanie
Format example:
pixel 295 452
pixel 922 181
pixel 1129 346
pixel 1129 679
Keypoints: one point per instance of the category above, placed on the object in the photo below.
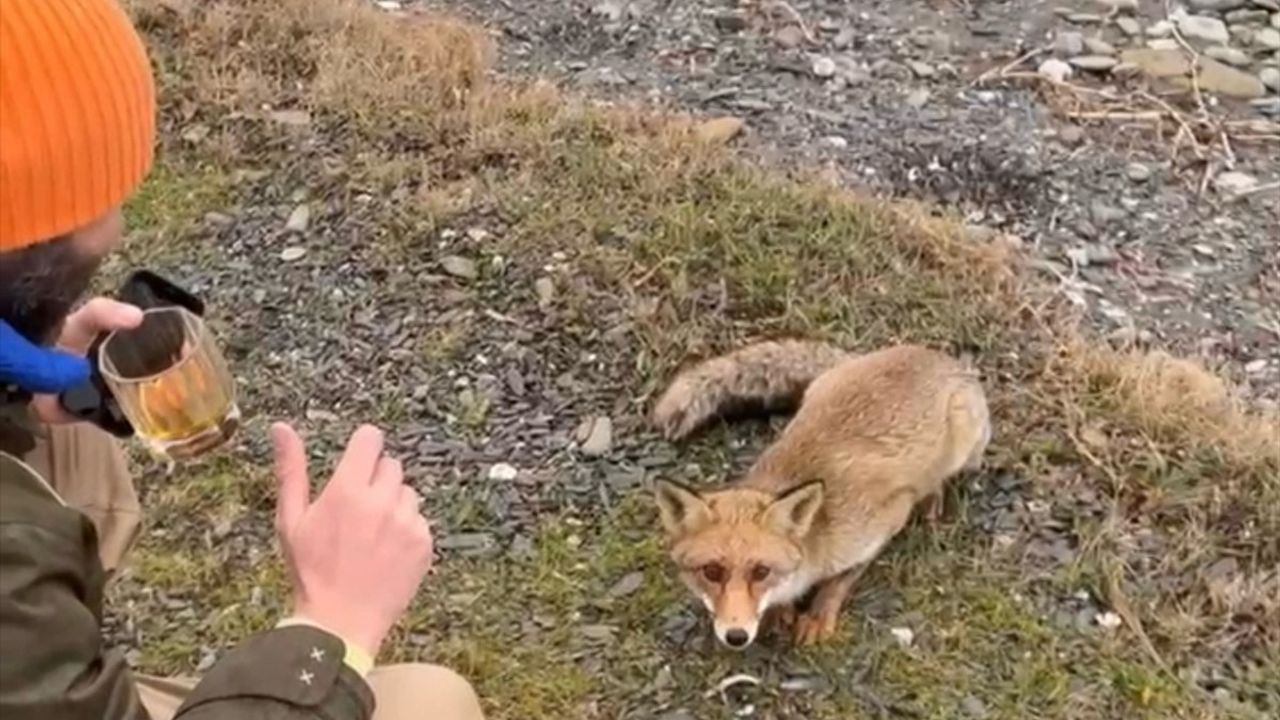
pixel 77 115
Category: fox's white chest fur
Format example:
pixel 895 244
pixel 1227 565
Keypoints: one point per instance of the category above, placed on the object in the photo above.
pixel 790 590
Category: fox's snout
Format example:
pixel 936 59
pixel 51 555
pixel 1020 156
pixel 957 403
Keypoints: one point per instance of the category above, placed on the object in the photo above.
pixel 737 619
pixel 737 637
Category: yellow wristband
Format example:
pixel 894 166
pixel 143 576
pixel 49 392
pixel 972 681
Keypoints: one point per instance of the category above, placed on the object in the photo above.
pixel 356 658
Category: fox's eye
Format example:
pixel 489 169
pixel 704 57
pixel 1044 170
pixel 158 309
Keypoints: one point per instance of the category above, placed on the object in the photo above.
pixel 759 573
pixel 713 572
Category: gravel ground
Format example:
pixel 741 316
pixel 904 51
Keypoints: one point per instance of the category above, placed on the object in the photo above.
pixel 882 95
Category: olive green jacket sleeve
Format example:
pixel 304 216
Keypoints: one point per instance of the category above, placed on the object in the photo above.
pixel 53 665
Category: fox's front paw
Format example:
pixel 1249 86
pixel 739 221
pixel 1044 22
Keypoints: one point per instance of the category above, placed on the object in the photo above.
pixel 816 626
pixel 680 411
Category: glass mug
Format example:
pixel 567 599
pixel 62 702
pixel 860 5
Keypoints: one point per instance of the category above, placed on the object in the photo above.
pixel 172 383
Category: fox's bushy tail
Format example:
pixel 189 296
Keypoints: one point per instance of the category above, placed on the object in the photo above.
pixel 765 377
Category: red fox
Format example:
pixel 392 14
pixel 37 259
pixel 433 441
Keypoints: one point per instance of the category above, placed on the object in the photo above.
pixel 874 436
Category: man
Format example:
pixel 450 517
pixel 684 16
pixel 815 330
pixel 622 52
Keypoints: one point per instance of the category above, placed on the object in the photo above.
pixel 76 135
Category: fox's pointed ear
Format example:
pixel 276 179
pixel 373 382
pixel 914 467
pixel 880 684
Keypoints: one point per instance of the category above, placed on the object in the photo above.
pixel 792 514
pixel 682 508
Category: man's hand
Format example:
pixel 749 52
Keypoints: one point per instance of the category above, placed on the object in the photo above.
pixel 357 554
pixel 82 327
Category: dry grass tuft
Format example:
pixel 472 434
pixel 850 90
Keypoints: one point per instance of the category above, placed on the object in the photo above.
pixel 1178 400
pixel 396 75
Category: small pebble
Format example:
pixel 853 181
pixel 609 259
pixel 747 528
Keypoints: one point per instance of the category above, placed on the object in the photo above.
pixel 299 219
pixel 1270 76
pixel 1098 46
pixel 919 98
pixel 292 254
pixel 1138 172
pixel 1055 70
pixel 1234 182
pixel 1069 43
pixel 459 267
pixel 824 67
pixel 904 635
pixel 1228 55
pixel 1095 63
pixel 922 69
pixel 503 472
pixel 1108 620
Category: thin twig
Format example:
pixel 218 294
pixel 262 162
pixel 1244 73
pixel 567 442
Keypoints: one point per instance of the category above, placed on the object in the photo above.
pixel 1115 115
pixel 1265 187
pixel 1002 71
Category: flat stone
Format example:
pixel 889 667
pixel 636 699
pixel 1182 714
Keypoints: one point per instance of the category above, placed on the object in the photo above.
pixel 919 98
pixel 1228 55
pixel 459 267
pixel 299 219
pixel 790 37
pixel 1247 17
pixel 1069 43
pixel 1055 70
pixel 600 439
pixel 1241 35
pixel 719 130
pixel 1072 135
pixel 1225 80
pixel 628 585
pixel 974 707
pixel 1268 38
pixel 1270 76
pixel 1095 63
pixel 472 543
pixel 1201 27
pixel 503 472
pixel 1098 46
pixel 1218 6
pixel 1128 5
pixel 1231 182
pixel 1158 63
pixel 1129 26
pixel 922 69
pixel 1084 18
pixel 1138 172
pixel 293 254
pixel 1267 106
pixel 1160 29
pixel 545 289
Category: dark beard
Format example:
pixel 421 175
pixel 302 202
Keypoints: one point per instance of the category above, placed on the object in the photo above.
pixel 40 284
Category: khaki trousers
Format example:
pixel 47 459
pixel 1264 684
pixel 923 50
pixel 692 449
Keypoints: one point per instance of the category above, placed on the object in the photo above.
pixel 87 468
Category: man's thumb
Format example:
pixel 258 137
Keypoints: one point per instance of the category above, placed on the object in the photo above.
pixel 291 474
